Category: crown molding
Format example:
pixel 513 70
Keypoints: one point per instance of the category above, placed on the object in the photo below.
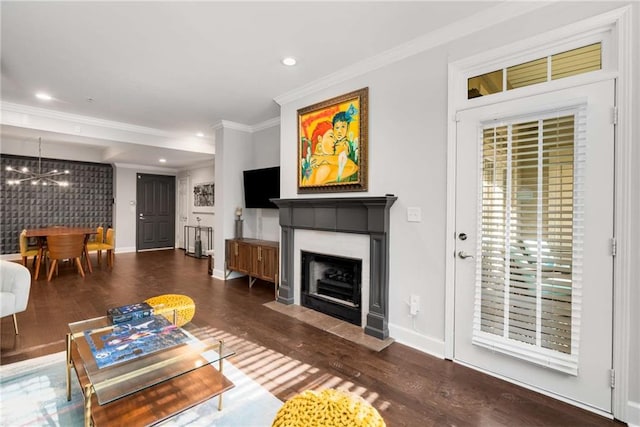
pixel 266 124
pixel 142 168
pixel 469 25
pixel 8 107
pixel 200 165
pixel 227 124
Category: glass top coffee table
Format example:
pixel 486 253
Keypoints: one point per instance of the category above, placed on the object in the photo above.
pixel 147 385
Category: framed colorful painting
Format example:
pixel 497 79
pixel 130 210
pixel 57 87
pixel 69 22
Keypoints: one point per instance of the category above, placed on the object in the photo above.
pixel 332 144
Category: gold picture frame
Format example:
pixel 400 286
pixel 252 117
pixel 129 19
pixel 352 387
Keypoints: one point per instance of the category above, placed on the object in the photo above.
pixel 332 144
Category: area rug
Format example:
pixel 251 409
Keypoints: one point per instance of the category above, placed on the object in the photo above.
pixel 33 393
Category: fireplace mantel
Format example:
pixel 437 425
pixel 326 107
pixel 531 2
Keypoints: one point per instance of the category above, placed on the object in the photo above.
pixel 361 215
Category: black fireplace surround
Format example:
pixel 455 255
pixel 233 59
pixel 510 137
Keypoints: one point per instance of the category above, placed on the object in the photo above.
pixel 360 215
pixel 332 285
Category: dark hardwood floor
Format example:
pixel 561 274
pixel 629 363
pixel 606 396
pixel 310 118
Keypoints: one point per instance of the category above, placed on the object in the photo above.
pixel 285 355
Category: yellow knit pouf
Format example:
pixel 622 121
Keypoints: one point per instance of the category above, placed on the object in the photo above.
pixel 327 408
pixel 166 304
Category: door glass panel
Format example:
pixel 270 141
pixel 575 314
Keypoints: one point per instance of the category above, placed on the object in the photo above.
pixel 526 74
pixel 576 61
pixel 527 226
pixel 484 84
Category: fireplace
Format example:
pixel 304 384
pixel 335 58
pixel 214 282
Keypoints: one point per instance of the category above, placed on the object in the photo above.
pixel 332 285
pixel 352 216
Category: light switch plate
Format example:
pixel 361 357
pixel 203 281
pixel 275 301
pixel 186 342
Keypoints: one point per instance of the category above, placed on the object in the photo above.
pixel 414 214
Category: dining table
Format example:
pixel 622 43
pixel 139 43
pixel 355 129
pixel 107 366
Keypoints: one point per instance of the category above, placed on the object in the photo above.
pixel 42 233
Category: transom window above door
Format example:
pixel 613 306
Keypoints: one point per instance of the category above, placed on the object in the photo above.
pixel 552 67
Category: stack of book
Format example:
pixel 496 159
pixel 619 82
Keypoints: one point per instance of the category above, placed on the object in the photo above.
pixel 130 312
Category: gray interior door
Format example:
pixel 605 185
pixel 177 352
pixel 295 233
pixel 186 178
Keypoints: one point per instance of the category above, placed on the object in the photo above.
pixel 156 204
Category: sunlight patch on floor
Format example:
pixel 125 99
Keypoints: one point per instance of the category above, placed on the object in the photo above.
pixel 281 374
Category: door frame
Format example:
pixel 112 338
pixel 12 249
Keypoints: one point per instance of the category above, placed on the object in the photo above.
pixel 617 23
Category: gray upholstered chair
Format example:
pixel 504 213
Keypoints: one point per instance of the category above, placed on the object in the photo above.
pixel 15 284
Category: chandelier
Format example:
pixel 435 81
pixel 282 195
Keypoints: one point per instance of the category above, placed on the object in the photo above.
pixel 37 178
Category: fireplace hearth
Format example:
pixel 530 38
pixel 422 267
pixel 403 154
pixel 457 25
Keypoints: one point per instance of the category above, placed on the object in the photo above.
pixel 332 285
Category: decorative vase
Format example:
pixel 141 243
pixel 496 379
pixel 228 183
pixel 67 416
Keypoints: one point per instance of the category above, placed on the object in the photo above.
pixel 239 228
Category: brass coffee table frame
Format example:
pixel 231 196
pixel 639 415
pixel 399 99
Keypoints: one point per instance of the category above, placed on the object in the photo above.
pixel 182 389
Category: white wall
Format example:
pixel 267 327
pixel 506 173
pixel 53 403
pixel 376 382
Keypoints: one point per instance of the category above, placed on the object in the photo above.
pixel 236 151
pixel 264 223
pixel 232 157
pixel 407 157
pixel 199 175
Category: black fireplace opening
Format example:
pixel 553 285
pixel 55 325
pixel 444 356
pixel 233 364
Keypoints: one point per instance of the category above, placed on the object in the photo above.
pixel 332 285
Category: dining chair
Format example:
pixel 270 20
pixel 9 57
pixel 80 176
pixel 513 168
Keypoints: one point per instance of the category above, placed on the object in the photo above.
pixel 26 251
pixel 65 246
pixel 95 245
pixel 109 245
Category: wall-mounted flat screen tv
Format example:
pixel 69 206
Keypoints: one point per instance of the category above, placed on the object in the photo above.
pixel 260 185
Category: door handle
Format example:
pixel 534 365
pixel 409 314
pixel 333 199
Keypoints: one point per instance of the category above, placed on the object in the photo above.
pixel 464 255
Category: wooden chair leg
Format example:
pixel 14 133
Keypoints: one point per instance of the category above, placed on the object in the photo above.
pixel 79 264
pixel 15 323
pixel 99 257
pixel 24 261
pixel 54 266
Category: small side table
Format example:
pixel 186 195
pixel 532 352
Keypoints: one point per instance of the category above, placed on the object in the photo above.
pixel 195 233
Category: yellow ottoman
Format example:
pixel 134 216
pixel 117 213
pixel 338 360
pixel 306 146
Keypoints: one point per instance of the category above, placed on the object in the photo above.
pixel 327 408
pixel 183 306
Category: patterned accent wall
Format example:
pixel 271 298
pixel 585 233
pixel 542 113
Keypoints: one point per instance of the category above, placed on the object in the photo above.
pixel 86 202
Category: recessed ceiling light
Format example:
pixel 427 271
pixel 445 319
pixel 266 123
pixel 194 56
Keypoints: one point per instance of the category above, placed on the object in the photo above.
pixel 163 160
pixel 200 134
pixel 289 61
pixel 43 96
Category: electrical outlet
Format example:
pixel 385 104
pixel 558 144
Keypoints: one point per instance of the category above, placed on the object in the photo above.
pixel 414 305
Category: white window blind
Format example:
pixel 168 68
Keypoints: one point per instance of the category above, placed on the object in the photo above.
pixel 528 273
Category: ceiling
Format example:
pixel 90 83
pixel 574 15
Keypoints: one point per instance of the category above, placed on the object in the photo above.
pixel 171 69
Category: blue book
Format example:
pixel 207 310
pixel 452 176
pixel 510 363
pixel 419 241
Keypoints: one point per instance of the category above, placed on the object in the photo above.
pixel 128 313
pixel 131 340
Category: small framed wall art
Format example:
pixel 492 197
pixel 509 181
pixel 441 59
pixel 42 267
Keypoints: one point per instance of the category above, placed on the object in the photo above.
pixel 203 195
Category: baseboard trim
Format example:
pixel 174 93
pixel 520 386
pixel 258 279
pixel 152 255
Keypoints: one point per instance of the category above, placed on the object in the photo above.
pixel 220 274
pixel 633 414
pixel 416 340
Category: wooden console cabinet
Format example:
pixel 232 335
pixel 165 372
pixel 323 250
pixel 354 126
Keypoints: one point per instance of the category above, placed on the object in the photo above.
pixel 259 259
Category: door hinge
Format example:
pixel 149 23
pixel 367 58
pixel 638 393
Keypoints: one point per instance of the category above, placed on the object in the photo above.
pixel 614 115
pixel 612 378
pixel 614 246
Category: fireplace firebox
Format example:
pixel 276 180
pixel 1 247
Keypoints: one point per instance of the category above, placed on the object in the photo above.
pixel 332 285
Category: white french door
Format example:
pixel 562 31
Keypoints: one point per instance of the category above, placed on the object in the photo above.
pixel 534 223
